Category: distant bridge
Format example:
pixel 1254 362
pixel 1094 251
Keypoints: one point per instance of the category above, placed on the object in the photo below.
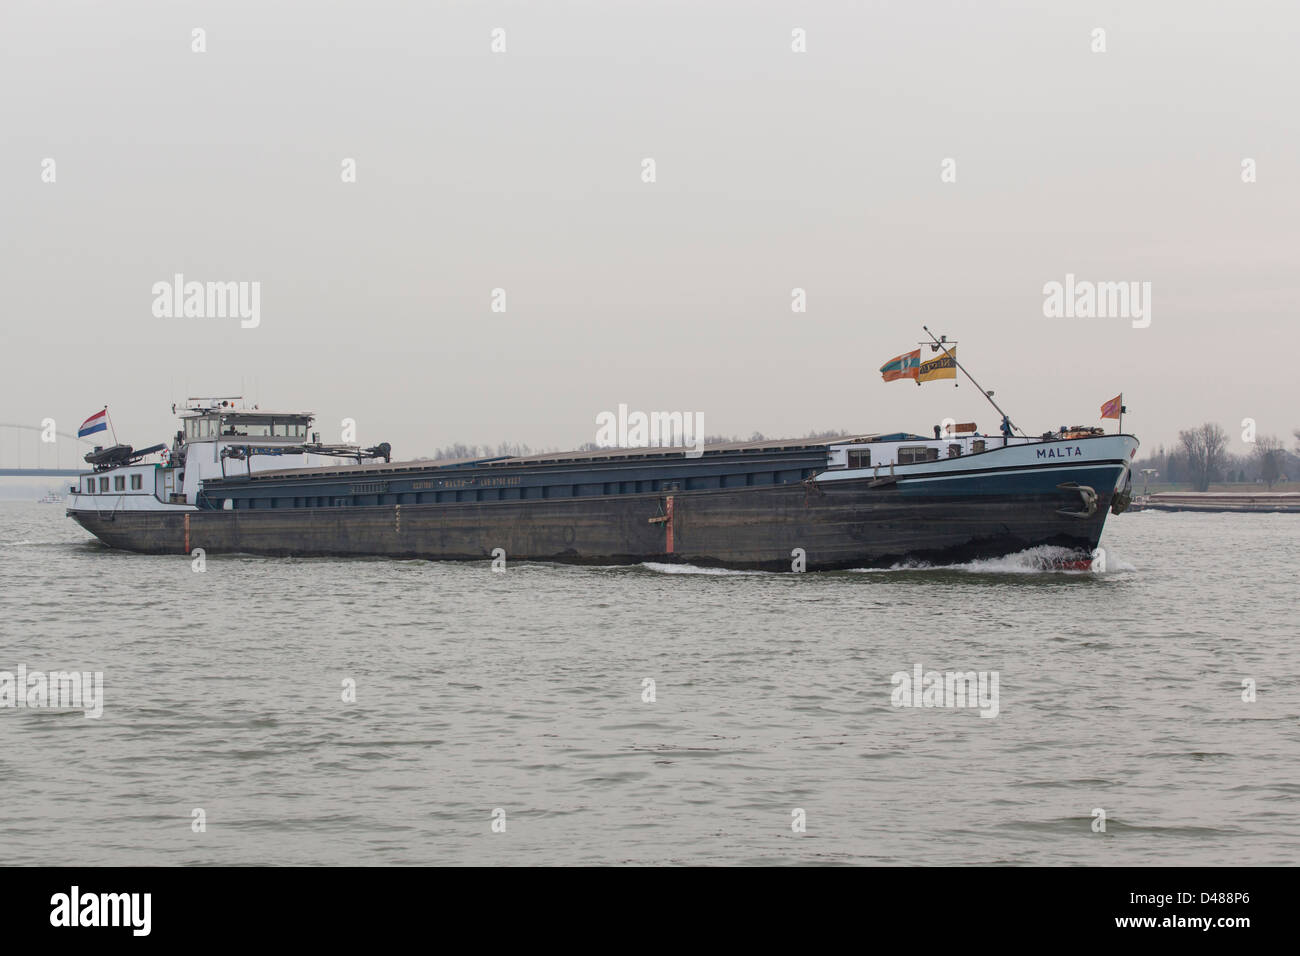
pixel 39 472
pixel 24 455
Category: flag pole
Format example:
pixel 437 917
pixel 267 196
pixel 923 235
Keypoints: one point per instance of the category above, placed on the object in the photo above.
pixel 110 424
pixel 987 396
pixel 1121 415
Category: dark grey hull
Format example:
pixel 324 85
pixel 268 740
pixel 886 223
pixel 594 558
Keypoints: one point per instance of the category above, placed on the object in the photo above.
pixel 839 525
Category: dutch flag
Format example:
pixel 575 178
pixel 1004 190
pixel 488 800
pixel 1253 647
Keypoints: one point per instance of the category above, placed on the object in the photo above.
pixel 97 422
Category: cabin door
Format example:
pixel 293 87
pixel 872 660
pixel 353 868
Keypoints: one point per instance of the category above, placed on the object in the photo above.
pixel 168 484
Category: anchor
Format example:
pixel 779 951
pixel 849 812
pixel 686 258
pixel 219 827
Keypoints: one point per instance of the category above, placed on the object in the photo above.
pixel 1124 496
pixel 1088 495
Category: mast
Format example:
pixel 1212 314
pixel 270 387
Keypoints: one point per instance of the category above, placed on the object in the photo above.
pixel 938 344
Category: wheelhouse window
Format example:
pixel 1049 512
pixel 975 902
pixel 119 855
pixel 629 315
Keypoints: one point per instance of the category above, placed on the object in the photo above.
pixel 200 429
pixel 243 425
pixel 119 482
pixel 137 482
pixel 860 458
pixel 103 484
pixel 90 486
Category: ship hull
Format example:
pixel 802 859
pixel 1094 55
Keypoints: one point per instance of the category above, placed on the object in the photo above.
pixel 837 525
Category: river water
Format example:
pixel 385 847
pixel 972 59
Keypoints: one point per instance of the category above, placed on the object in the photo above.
pixel 504 718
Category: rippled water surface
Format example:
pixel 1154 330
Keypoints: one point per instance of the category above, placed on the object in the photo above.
pixel 523 691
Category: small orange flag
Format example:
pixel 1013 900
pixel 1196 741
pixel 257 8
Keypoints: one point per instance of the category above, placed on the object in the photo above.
pixel 1113 408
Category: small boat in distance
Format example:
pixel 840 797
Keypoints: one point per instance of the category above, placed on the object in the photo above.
pixel 1282 502
pixel 50 498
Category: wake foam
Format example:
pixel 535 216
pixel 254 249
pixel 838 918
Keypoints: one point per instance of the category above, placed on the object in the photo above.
pixel 692 569
pixel 1045 558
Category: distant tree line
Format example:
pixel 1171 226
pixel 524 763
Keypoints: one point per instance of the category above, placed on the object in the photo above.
pixel 754 436
pixel 502 450
pixel 517 449
pixel 1201 458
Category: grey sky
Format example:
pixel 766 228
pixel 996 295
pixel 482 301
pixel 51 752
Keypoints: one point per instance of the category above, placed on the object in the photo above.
pixel 522 170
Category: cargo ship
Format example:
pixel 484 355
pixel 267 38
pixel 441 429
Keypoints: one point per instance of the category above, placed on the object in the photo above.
pixel 241 479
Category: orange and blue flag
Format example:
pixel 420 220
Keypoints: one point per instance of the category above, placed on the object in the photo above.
pixel 907 365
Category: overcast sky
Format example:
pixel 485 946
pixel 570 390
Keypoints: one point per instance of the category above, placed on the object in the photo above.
pixel 522 170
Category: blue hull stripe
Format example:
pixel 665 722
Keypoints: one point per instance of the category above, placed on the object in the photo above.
pixel 1101 477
